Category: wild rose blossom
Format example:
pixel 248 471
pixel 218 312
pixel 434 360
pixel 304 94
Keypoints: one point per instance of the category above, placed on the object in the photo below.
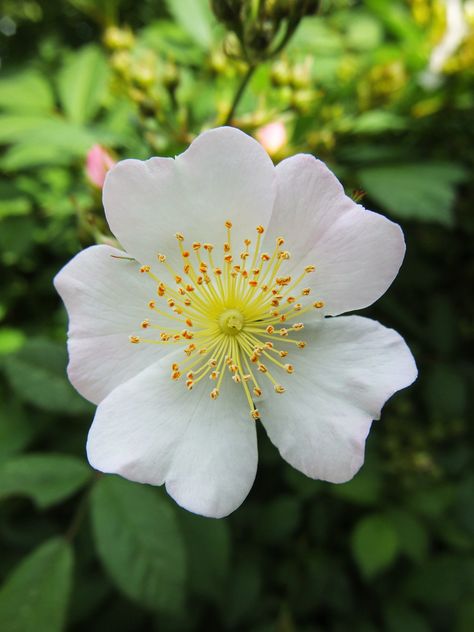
pixel 217 316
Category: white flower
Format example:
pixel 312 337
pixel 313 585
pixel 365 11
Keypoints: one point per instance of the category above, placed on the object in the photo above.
pixel 200 330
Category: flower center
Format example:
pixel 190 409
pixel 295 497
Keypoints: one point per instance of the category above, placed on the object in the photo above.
pixel 229 317
pixel 231 322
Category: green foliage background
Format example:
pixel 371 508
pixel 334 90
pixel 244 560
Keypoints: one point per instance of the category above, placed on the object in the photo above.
pixel 391 550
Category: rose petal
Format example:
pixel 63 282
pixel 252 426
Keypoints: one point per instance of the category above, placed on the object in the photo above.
pixel 106 299
pixel 357 253
pixel 351 366
pixel 224 175
pixel 152 430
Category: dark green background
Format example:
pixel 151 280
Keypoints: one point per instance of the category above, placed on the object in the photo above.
pixel 391 550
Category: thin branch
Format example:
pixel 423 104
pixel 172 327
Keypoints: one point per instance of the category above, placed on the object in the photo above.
pixel 240 91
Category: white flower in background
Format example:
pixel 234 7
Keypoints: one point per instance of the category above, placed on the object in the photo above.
pixel 218 319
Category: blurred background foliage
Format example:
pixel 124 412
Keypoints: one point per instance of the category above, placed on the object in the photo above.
pixel 355 83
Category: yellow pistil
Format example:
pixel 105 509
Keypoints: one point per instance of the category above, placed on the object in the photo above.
pixel 231 310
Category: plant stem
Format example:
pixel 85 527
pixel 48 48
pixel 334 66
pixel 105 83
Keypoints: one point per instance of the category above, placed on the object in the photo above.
pixel 240 91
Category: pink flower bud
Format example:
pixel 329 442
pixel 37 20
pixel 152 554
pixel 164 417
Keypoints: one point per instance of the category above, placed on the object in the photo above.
pixel 98 162
pixel 273 137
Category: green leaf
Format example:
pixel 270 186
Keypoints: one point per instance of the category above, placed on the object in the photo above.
pixel 411 534
pixel 374 544
pixel 34 597
pixel 46 478
pixel 196 18
pixel 415 191
pixel 26 92
pixel 363 489
pixel 16 431
pixel 139 542
pixel 208 553
pixel 37 372
pixel 82 83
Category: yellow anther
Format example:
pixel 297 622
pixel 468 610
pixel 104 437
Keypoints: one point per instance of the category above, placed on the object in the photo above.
pixel 185 254
pixel 189 384
pixel 318 304
pixel 145 323
pixel 298 326
pixel 301 344
pixel 226 247
pixel 270 329
pixel 309 269
pixel 176 337
pixel 212 362
pixel 297 307
pixel 203 267
pixel 175 366
pixel 217 271
pixel 134 339
pixel 283 354
pixel 190 375
pixel 181 291
pixel 291 299
pixel 145 269
pixel 265 256
pixel 268 345
pixel 228 258
pixel 199 280
pixel 189 322
pixel 283 332
pixel 278 388
pixel 274 302
pixel 161 258
pixel 161 289
pixel 236 378
pixel 260 229
pixel 306 291
pixel 186 268
pixel 282 318
pixel 284 255
pixel 244 255
pixel 175 375
pixel 178 279
pixel 189 288
pixel 179 236
pixel 187 301
pixel 151 304
pixel 214 375
pixel 214 394
pixel 262 368
pixel 255 414
pixel 257 391
pixel 228 224
pixel 164 336
pixel 246 377
pixel 208 247
pixel 189 349
pixel 289 368
pixel 280 241
pixel 196 245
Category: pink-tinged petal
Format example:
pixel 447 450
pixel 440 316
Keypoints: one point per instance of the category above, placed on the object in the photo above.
pixel 106 299
pixel 350 367
pixel 152 430
pixel 357 253
pixel 223 175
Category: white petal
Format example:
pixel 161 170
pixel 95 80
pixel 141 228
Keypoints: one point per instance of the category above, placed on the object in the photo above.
pixel 223 175
pixel 106 299
pixel 350 367
pixel 152 430
pixel 357 253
